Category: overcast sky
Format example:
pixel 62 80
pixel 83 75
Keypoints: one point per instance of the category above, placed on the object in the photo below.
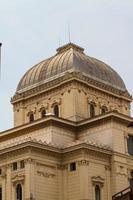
pixel 30 31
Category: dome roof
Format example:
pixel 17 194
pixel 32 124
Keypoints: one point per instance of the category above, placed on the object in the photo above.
pixel 70 58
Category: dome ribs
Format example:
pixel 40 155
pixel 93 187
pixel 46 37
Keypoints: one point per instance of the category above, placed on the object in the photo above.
pixel 58 63
pixel 43 70
pixel 62 66
pixel 71 57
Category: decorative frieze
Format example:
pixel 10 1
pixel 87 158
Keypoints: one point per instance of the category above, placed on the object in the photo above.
pixel 46 174
pixel 45 171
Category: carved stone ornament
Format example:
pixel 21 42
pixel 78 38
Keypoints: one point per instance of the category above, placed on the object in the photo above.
pixel 46 173
pixel 62 167
pixel 121 170
pixel 129 173
pixel 30 161
pixel 107 167
pixel 3 175
pixel 31 112
pixel 97 180
pixel 56 101
pixel 43 106
pixel 92 101
pixel 18 178
pixel 83 163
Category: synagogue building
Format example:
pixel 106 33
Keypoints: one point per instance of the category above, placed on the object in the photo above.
pixel 72 137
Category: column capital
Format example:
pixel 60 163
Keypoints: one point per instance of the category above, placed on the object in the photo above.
pixel 83 163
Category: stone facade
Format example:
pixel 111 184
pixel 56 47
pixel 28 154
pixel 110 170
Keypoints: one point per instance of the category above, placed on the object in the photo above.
pixel 76 152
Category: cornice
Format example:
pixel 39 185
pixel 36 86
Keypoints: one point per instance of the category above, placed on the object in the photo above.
pixel 51 150
pixel 61 122
pixel 87 147
pixel 36 125
pixel 112 115
pixel 64 78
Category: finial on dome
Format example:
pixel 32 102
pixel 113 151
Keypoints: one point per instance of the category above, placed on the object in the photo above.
pixel 69 46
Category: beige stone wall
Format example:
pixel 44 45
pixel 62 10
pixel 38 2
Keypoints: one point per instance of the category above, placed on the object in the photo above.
pixel 119 174
pixel 73 100
pixel 49 135
pixel 46 176
pixel 101 134
pixel 46 186
pixel 111 133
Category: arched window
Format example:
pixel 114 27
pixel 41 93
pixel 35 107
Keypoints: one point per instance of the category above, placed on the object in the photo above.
pixel 104 110
pixel 97 193
pixel 19 192
pixel 43 113
pixel 92 110
pixel 31 117
pixel 56 110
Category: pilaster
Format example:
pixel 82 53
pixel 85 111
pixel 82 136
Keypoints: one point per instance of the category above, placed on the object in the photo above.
pixel 83 170
pixel 8 183
pixel 108 181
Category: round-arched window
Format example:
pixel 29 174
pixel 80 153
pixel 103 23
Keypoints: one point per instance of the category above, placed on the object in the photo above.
pixel 19 192
pixel 92 110
pixel 56 110
pixel 97 193
pixel 104 110
pixel 43 113
pixel 31 117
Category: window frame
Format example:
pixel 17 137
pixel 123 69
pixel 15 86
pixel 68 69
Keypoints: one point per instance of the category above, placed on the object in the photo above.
pixel 31 117
pixel 19 191
pixel 22 164
pixel 72 167
pixel 92 110
pixel 43 113
pixel 104 109
pixel 99 194
pixel 130 144
pixel 56 110
pixel 14 166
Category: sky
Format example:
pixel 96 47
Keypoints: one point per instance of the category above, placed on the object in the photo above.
pixel 32 30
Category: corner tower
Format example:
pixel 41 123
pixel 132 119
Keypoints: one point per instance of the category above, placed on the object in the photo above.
pixel 70 85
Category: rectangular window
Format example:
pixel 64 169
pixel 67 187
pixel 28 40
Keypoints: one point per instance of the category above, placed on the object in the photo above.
pixel 22 164
pixel 0 193
pixel 72 166
pixel 130 144
pixel 15 166
pixel 0 172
